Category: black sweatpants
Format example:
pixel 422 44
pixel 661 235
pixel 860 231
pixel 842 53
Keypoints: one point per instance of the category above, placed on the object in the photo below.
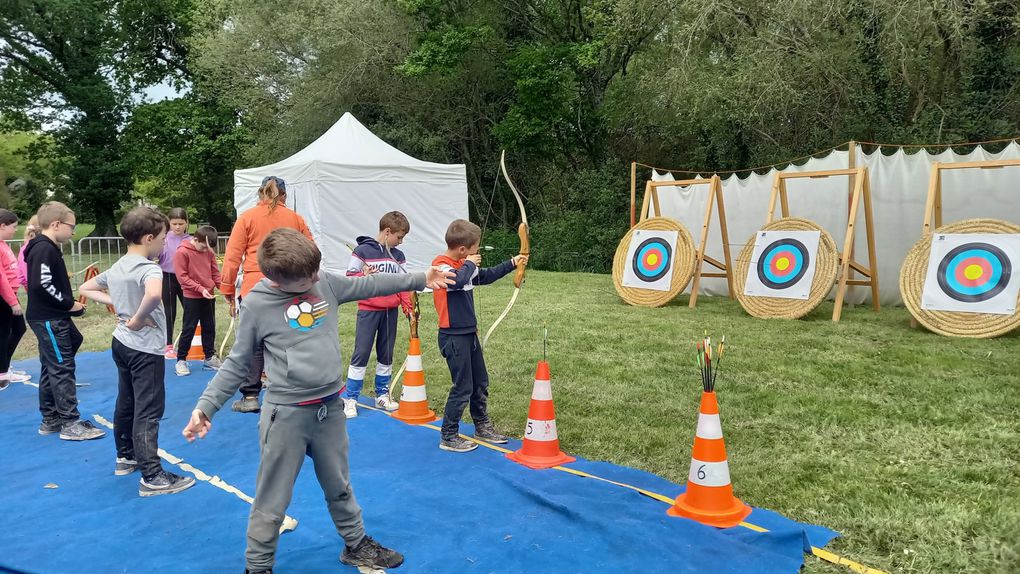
pixel 171 293
pixel 59 341
pixel 198 311
pixel 12 329
pixel 470 381
pixel 141 399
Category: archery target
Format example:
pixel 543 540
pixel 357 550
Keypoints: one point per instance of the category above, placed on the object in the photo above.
pixel 782 264
pixel 972 273
pixel 650 259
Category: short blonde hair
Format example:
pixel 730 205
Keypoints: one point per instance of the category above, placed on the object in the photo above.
pixel 52 211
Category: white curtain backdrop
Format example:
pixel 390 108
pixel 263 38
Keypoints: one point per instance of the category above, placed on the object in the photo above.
pixel 899 187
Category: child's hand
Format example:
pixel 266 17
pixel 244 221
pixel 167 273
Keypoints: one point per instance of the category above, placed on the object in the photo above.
pixel 77 307
pixel 198 426
pixel 17 311
pixel 436 278
pixel 136 324
pixel 369 270
pixel 476 258
pixel 208 294
pixel 518 259
pixel 232 303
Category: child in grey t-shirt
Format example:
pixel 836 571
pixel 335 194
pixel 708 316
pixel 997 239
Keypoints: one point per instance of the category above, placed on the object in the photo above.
pixel 134 286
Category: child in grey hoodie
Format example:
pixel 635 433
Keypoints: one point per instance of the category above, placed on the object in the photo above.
pixel 295 316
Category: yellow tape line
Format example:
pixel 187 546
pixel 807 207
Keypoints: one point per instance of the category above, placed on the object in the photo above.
pixel 289 523
pixel 823 554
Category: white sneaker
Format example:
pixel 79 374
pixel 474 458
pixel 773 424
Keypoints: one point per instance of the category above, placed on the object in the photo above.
pixel 16 377
pixel 385 402
pixel 351 408
pixel 182 369
pixel 170 353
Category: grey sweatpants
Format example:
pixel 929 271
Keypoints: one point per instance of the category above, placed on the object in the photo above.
pixel 287 433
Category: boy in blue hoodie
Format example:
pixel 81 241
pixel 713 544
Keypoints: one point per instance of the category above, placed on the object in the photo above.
pixel 377 317
pixel 292 313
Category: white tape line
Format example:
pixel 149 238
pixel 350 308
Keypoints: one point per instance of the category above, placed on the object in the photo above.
pixel 289 523
pixel 415 394
pixel 709 473
pixel 709 426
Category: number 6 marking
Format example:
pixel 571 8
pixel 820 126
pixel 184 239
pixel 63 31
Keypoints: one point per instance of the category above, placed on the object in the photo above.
pixel 701 472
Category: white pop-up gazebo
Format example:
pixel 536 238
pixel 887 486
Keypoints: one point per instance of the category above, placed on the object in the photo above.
pixel 343 182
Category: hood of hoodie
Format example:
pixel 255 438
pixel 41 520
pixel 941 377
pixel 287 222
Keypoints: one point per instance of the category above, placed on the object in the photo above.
pixel 37 241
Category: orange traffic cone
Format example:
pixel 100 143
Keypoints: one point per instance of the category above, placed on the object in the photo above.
pixel 709 496
pixel 541 446
pixel 196 352
pixel 90 272
pixel 414 403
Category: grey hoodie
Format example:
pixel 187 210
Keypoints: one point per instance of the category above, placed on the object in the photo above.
pixel 300 332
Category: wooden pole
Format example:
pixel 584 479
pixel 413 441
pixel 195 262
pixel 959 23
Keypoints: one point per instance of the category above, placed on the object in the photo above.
pixel 725 236
pixel 851 162
pixel 848 245
pixel 702 243
pixel 872 255
pixel 633 191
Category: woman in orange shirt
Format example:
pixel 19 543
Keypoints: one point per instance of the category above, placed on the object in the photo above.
pixel 251 228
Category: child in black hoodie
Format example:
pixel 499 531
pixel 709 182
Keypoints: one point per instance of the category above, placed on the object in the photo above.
pixel 51 305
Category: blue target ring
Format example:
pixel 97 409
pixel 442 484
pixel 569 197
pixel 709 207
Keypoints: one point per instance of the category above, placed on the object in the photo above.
pixel 652 259
pixel 974 272
pixel 783 263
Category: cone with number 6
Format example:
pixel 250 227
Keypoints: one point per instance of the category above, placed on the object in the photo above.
pixel 709 496
pixel 541 445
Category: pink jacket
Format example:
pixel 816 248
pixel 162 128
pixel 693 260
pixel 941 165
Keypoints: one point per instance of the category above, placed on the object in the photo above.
pixel 9 277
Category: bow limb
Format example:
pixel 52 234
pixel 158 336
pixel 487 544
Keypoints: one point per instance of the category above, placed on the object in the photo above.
pixel 525 249
pixel 413 324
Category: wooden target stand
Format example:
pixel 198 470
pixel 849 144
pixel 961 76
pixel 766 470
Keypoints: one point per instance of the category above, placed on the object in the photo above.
pixel 860 193
pixel 933 204
pixel 651 200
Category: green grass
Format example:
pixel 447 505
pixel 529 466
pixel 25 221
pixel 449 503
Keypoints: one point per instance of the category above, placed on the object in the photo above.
pixel 905 442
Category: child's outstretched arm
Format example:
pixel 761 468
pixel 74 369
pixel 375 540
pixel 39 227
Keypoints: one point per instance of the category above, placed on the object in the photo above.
pixel 228 379
pixel 491 274
pixel 345 289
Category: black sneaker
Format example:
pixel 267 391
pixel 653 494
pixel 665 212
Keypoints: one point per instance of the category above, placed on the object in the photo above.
pixel 124 466
pixel 486 432
pixel 80 430
pixel 370 553
pixel 164 483
pixel 246 571
pixel 246 405
pixel 50 427
pixel 457 444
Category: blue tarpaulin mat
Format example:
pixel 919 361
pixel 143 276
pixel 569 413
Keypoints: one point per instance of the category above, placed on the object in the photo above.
pixel 65 511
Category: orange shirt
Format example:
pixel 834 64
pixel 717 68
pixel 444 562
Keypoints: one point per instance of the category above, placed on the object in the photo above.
pixel 250 229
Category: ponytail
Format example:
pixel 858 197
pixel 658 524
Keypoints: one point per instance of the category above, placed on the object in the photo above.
pixel 271 191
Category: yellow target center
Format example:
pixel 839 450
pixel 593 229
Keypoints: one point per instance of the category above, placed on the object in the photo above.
pixel 973 272
pixel 782 264
pixel 653 259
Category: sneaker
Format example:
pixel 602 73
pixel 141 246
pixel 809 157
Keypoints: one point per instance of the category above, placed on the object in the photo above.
pixel 457 444
pixel 50 427
pixel 164 483
pixel 80 430
pixel 19 372
pixel 213 363
pixel 350 408
pixel 15 377
pixel 246 571
pixel 4 383
pixel 385 402
pixel 170 353
pixel 124 467
pixel 371 554
pixel 246 405
pixel 182 369
pixel 486 432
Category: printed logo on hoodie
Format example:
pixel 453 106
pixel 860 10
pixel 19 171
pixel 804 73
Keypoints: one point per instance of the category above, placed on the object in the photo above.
pixel 305 312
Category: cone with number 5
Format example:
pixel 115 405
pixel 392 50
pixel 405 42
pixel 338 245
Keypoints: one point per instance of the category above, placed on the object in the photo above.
pixel 709 496
pixel 541 446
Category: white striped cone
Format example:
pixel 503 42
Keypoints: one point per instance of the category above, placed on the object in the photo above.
pixel 414 402
pixel 709 496
pixel 541 445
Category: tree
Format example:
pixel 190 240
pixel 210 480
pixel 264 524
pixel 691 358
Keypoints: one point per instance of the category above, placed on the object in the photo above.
pixel 76 64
